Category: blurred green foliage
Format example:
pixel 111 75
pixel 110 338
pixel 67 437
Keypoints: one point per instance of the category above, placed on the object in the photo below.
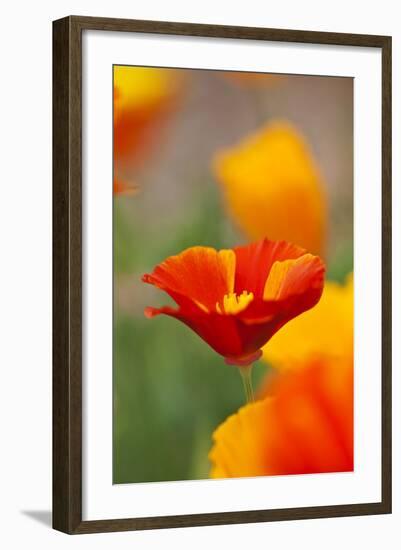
pixel 170 393
pixel 341 263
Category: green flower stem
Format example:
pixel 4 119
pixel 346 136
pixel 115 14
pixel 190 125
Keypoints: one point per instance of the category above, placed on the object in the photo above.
pixel 246 375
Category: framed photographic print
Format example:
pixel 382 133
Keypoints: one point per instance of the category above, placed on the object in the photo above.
pixel 222 274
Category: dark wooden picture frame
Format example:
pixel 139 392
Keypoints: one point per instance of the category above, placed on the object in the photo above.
pixel 67 274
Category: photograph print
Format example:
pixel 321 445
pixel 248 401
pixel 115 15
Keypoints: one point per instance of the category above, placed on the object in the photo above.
pixel 233 274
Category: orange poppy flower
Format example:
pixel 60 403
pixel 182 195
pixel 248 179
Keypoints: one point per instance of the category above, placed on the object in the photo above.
pixel 143 98
pixel 237 299
pixel 273 187
pixel 304 427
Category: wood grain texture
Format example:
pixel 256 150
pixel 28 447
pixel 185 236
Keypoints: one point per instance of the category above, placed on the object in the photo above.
pixel 220 31
pixel 386 275
pixel 67 277
pixel 67 274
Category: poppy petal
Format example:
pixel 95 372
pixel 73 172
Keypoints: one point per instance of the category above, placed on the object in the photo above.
pixel 292 287
pixel 221 332
pixel 304 426
pixel 291 277
pixel 200 273
pixel 201 280
pixel 254 262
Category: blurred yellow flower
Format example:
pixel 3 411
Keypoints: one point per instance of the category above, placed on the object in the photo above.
pixel 140 87
pixel 273 187
pixel 324 331
pixel 143 97
pixel 304 427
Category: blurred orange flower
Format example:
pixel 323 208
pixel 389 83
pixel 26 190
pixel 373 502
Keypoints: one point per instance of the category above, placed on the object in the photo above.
pixel 324 331
pixel 121 187
pixel 237 299
pixel 273 187
pixel 304 427
pixel 143 97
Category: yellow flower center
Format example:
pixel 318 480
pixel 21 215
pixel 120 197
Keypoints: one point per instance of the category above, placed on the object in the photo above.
pixel 233 304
